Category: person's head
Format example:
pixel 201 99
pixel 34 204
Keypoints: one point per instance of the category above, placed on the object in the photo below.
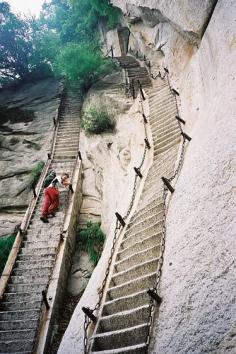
pixel 65 179
pixel 64 176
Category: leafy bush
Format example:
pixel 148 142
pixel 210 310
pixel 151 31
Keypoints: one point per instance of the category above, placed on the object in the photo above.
pixel 6 244
pixel 91 240
pixel 82 64
pixel 36 172
pixel 97 120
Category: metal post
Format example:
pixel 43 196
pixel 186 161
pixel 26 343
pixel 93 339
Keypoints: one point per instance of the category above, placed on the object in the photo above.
pixel 154 296
pixel 120 219
pixel 180 119
pixel 90 314
pixel 141 91
pixel 138 173
pixel 147 143
pixel 168 185
pixel 34 192
pixel 133 89
pixel 80 156
pixel 45 300
pixel 166 70
pixel 186 136
pixel 144 118
pixel 175 92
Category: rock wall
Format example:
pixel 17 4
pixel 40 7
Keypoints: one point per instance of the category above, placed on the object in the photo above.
pixel 26 127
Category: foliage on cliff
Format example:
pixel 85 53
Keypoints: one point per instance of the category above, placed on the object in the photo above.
pixel 25 47
pixel 64 40
pixel 6 244
pixel 92 239
pixel 97 120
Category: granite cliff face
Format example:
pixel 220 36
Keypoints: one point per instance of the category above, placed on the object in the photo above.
pixel 26 127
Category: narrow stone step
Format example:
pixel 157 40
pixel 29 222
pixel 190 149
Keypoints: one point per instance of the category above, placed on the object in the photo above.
pixel 38 251
pixel 160 95
pixel 132 239
pixel 25 288
pixel 121 338
pixel 160 122
pixel 147 243
pixel 142 227
pixel 124 319
pixel 161 113
pixel 138 269
pixel 61 145
pixel 160 105
pixel 157 91
pixel 40 244
pixel 147 212
pixel 171 126
pixel 15 334
pixel 161 100
pixel 134 349
pixel 166 146
pixel 29 279
pixel 34 257
pixel 125 303
pixel 19 315
pixel 65 156
pixel 18 325
pixel 166 137
pixel 131 287
pixel 37 237
pixel 22 305
pixel 22 296
pixel 15 346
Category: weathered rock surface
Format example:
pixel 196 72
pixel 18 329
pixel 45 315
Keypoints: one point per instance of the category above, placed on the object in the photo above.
pixel 26 126
pixel 190 16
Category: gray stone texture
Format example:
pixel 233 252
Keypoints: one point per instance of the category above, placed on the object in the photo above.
pixel 26 128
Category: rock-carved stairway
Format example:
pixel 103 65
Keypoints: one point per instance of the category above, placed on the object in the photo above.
pixel 124 322
pixel 21 303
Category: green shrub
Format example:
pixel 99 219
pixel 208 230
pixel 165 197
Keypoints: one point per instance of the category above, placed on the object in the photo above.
pixel 91 241
pixel 6 244
pixel 36 172
pixel 82 64
pixel 97 120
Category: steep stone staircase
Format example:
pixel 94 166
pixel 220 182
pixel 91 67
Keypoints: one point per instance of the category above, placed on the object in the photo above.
pixel 125 316
pixel 135 73
pixel 21 304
